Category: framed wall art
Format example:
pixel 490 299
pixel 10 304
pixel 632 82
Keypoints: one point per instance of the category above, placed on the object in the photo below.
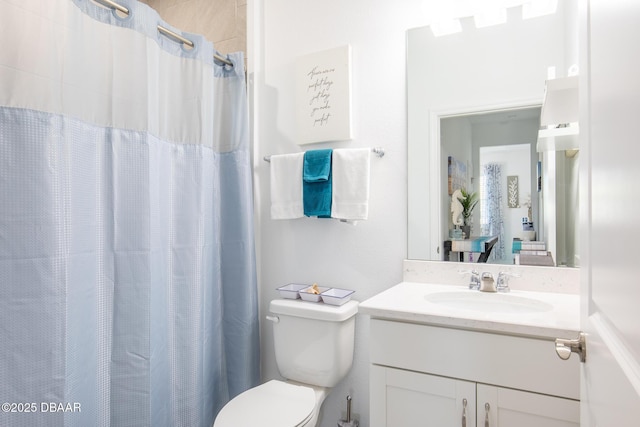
pixel 323 96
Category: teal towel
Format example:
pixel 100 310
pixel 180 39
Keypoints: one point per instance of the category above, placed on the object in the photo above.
pixel 316 183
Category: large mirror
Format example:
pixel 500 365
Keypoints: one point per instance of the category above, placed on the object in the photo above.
pixel 474 101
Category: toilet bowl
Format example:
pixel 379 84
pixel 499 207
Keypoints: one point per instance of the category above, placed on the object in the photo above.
pixel 273 404
pixel 313 345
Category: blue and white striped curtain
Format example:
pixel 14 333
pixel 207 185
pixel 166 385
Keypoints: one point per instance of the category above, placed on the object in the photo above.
pixel 491 203
pixel 127 270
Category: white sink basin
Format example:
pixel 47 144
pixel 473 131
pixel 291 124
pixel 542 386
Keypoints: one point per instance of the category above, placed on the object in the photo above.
pixel 488 302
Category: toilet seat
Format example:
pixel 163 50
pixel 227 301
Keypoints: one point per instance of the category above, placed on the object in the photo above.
pixel 272 404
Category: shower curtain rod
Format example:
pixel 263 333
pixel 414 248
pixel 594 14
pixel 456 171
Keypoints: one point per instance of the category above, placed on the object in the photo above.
pixel 167 32
pixel 378 151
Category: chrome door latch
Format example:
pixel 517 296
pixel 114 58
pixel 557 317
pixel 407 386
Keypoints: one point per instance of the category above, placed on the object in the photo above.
pixel 565 347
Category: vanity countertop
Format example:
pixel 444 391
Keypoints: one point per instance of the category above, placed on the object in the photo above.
pixel 544 314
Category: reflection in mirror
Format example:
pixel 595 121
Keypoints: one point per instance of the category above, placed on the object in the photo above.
pixel 485 85
pixel 494 155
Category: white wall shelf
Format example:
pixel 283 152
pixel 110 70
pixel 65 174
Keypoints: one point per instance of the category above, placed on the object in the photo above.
pixel 559 127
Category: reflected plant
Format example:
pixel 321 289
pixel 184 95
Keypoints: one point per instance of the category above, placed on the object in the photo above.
pixel 469 202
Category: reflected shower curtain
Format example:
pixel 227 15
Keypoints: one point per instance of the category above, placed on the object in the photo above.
pixel 492 218
pixel 127 272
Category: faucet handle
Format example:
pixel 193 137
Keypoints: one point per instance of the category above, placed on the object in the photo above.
pixel 474 280
pixel 472 272
pixel 503 280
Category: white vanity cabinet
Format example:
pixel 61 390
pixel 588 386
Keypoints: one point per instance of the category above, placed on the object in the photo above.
pixel 405 398
pixel 498 406
pixel 424 375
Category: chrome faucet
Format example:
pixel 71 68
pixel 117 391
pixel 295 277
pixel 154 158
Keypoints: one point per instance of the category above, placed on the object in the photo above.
pixel 487 284
pixel 503 281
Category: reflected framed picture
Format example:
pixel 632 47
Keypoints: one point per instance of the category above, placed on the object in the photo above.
pixel 457 175
pixel 513 192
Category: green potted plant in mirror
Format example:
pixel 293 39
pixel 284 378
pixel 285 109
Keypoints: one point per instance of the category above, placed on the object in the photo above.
pixel 469 202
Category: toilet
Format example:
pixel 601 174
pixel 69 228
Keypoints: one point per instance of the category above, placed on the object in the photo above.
pixel 314 351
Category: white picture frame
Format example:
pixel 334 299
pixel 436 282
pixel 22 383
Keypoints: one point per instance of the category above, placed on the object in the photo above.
pixel 323 96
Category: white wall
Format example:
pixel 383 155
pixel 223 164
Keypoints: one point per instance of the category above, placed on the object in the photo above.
pixel 366 257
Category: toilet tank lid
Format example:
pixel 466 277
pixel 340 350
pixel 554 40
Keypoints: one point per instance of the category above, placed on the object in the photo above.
pixel 314 310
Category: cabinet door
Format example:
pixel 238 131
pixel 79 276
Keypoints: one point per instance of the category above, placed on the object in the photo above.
pixel 514 408
pixel 404 398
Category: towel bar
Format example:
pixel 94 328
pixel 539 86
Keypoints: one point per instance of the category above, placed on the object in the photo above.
pixel 378 151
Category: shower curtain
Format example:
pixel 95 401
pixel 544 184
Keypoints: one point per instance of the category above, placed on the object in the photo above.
pixel 127 271
pixel 492 219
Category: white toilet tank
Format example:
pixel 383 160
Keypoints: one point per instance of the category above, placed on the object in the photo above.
pixel 313 341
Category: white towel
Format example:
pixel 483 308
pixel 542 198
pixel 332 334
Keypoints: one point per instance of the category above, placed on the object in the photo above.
pixel 350 200
pixel 286 186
